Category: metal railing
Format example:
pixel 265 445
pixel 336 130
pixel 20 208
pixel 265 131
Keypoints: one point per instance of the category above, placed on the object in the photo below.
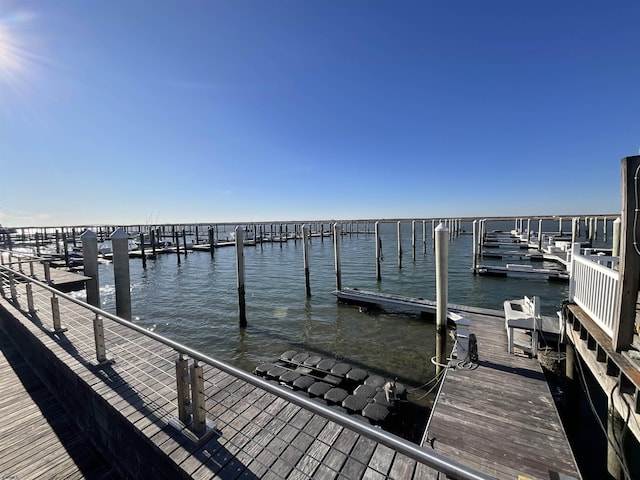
pixel 593 286
pixel 190 407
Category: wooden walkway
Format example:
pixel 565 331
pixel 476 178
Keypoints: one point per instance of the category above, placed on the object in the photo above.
pixel 260 435
pixel 500 418
pixel 37 438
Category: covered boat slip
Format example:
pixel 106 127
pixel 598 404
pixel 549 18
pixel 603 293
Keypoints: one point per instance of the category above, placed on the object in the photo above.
pixel 500 417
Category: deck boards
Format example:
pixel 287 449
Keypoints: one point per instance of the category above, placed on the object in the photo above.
pixel 500 417
pixel 261 435
pixel 37 437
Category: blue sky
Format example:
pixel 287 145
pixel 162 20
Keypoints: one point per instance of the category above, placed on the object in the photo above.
pixel 135 112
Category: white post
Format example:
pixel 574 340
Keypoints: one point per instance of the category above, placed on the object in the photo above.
pixel 378 251
pixel 617 223
pixel 120 245
pixel 528 230
pixel 442 291
pixel 575 250
pixel 399 247
pixel 337 237
pixel 240 270
pixel 305 257
pixel 573 230
pixel 560 225
pixel 90 263
pixel 540 235
pixel 433 236
pixel 595 228
pixel 474 254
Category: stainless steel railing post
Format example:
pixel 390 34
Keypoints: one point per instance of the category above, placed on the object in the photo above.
pixel 98 333
pixel 182 387
pixel 30 298
pixel 198 421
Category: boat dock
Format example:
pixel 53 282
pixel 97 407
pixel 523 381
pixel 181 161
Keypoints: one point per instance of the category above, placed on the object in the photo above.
pixel 500 417
pixel 119 380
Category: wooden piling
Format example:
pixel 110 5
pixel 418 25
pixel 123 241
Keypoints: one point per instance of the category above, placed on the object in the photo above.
pixel 211 242
pixel 142 254
pixel 120 245
pixel 240 271
pixel 424 236
pixel 305 258
pixel 90 264
pixel 378 251
pixel 399 228
pixel 617 223
pixel 337 231
pixel 474 254
pixel 540 235
pixel 442 274
pixel 413 240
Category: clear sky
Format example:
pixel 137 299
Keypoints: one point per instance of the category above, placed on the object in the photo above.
pixel 135 112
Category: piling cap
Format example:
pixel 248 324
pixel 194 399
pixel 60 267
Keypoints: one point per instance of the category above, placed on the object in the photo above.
pixel 88 234
pixel 441 227
pixel 119 233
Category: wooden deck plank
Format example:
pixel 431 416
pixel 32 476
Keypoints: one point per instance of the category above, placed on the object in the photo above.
pixel 37 438
pixel 500 417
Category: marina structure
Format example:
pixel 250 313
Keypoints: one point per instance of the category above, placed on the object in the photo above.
pixel 188 415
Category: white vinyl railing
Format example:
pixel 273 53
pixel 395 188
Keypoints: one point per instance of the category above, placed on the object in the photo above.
pixel 594 287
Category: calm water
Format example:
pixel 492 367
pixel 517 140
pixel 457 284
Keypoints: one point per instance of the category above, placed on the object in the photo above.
pixel 195 302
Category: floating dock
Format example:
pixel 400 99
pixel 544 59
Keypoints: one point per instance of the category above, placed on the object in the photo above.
pixel 500 417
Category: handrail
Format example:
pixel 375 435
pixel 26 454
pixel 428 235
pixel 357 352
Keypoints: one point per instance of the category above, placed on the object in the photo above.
pixel 410 449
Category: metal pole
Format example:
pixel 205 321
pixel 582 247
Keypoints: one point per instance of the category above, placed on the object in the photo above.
pixel 98 333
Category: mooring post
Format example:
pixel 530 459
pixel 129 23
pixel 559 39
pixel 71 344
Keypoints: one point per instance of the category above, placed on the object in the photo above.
pixel 573 400
pixel 90 265
pixel 424 236
pixel 184 242
pixel 120 245
pixel 617 223
pixel 540 235
pixel 615 431
pixel 595 228
pixel 604 229
pixel 413 240
pixel 142 254
pixel 442 291
pixel 433 236
pixel 474 253
pixel 378 251
pixel 337 234
pixel 560 225
pixel 305 257
pixel 240 271
pixel 399 246
pixel 211 243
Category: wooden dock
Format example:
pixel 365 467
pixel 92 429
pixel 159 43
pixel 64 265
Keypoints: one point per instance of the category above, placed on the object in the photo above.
pixel 38 439
pixel 500 417
pixel 258 435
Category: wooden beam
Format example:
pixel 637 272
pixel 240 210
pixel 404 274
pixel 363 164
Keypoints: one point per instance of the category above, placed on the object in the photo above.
pixel 629 258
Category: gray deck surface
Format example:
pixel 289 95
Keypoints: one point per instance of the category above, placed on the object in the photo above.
pixel 500 418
